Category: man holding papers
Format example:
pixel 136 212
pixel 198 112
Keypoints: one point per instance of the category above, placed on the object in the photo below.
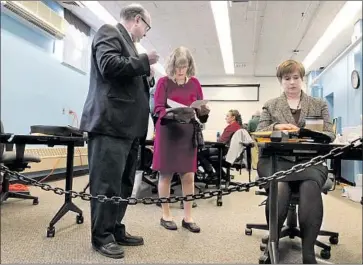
pixel 178 102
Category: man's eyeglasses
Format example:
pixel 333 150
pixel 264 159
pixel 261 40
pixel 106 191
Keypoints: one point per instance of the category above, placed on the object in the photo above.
pixel 148 27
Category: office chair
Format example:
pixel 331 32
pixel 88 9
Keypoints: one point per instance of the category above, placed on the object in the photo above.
pixel 240 145
pixel 145 158
pixel 291 229
pixel 15 161
pixel 238 164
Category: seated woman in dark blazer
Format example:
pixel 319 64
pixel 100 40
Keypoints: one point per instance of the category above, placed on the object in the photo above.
pixel 288 112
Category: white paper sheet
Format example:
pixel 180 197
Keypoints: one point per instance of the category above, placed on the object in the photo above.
pixel 196 104
pixel 174 104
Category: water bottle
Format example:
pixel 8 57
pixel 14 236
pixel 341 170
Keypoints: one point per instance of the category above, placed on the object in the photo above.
pixel 218 135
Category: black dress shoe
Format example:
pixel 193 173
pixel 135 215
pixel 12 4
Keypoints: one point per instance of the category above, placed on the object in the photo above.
pixel 110 250
pixel 170 225
pixel 129 240
pixel 192 227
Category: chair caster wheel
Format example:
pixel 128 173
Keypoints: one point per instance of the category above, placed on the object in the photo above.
pixel 36 201
pixel 325 254
pixel 334 240
pixel 248 232
pixel 154 190
pixel 51 231
pixel 265 240
pixel 219 203
pixel 263 247
pixel 79 219
pixel 264 259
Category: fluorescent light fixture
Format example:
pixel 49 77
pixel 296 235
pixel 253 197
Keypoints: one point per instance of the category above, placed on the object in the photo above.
pixel 79 3
pixel 221 20
pixel 341 21
pixel 98 10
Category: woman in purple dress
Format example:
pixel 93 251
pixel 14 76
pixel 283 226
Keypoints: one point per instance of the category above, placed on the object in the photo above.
pixel 174 149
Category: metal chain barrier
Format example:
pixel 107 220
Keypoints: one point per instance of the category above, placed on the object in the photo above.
pixel 240 187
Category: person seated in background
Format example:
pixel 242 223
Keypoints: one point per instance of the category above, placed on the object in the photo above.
pixel 234 123
pixel 253 122
pixel 288 112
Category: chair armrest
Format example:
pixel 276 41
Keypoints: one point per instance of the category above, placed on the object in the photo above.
pixel 252 144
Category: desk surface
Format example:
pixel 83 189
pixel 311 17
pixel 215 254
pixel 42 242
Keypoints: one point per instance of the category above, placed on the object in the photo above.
pixel 40 139
pixel 214 144
pixel 308 149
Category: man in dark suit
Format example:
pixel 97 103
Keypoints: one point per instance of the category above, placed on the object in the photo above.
pixel 115 115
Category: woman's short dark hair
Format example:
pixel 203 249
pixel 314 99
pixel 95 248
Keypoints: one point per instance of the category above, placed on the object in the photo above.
pixel 288 67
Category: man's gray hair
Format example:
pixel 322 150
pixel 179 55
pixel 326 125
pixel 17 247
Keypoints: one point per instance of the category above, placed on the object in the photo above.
pixel 131 11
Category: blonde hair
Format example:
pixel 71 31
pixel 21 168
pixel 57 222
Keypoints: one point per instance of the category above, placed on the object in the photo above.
pixel 180 57
pixel 288 67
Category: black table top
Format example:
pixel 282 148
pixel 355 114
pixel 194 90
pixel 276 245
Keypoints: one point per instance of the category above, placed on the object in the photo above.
pixel 49 140
pixel 308 149
pixel 207 143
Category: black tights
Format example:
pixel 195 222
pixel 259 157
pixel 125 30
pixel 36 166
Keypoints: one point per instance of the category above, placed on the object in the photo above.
pixel 310 213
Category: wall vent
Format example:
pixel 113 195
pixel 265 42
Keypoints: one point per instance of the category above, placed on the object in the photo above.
pixel 39 15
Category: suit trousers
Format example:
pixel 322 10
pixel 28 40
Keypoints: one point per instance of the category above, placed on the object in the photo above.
pixel 112 168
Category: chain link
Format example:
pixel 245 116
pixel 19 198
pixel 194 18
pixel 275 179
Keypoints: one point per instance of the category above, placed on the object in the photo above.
pixel 239 187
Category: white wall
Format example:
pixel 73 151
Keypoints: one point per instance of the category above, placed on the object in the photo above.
pixel 269 89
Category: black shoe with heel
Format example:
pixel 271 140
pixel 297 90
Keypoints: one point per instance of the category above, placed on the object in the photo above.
pixel 192 227
pixel 170 225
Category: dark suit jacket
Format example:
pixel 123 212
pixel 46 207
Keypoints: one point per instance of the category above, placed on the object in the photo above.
pixel 117 103
pixel 277 110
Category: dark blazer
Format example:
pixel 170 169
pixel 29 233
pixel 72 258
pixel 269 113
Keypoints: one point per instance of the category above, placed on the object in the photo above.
pixel 277 110
pixel 117 103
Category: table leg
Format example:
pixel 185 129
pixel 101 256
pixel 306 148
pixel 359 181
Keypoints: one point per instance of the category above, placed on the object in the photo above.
pixel 273 217
pixel 68 204
pixel 219 182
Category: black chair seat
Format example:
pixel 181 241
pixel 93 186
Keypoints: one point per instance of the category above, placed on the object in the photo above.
pixel 10 157
pixel 328 186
